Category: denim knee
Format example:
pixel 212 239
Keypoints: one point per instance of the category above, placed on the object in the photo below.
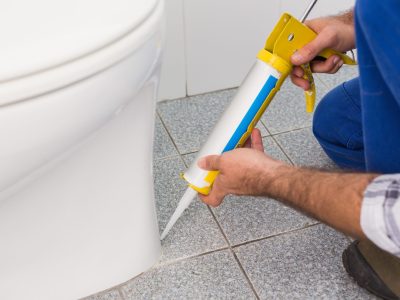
pixel 337 125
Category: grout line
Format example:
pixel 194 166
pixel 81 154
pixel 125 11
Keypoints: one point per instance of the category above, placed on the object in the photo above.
pixel 320 80
pixel 118 287
pixel 229 247
pixel 165 157
pixel 190 152
pixel 234 254
pixel 245 275
pixel 172 140
pixel 276 235
pixel 265 126
pixel 181 259
pixel 169 134
pixel 291 130
pixel 185 47
pixel 283 151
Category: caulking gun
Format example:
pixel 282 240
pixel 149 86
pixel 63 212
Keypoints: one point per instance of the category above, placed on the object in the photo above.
pixel 254 95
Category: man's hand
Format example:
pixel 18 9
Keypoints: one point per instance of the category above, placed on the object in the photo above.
pixel 242 171
pixel 331 197
pixel 336 33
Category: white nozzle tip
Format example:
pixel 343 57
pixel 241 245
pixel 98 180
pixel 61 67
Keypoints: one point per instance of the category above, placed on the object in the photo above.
pixel 166 231
pixel 163 235
pixel 188 196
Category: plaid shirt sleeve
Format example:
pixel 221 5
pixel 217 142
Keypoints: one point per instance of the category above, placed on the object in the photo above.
pixel 380 213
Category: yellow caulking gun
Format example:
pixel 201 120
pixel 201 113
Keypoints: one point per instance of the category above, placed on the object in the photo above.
pixel 254 95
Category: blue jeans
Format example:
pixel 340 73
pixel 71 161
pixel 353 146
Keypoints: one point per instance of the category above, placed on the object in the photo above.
pixel 358 123
pixel 338 126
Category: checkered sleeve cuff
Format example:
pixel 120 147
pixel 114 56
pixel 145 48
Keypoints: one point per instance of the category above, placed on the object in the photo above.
pixel 380 212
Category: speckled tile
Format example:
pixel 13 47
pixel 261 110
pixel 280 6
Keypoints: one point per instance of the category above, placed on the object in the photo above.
pixel 332 80
pixel 212 276
pixel 248 218
pixel 302 265
pixel 287 110
pixel 304 150
pixel 196 231
pixel 163 146
pixel 109 295
pixel 190 120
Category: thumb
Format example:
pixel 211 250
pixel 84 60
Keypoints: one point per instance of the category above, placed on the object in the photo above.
pixel 210 163
pixel 256 140
pixel 311 50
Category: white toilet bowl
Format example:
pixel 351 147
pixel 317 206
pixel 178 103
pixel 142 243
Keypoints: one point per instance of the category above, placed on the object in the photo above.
pixel 78 81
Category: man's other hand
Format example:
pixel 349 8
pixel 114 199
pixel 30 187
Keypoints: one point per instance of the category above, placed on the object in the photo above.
pixel 243 171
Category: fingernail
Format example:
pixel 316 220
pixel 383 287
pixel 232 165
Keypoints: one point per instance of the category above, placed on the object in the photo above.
pixel 296 57
pixel 201 162
pixel 336 60
pixel 340 63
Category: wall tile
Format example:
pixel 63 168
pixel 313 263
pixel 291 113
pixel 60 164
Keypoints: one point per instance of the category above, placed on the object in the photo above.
pixel 222 39
pixel 173 73
pixel 322 8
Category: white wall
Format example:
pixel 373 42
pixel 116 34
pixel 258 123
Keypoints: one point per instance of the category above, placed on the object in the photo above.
pixel 173 72
pixel 211 44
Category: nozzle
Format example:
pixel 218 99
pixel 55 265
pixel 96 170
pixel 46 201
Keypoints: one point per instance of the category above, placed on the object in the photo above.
pixel 184 203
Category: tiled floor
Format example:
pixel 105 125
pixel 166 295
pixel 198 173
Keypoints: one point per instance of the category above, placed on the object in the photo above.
pixel 248 248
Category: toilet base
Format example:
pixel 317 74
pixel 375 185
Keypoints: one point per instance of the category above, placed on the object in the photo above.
pixel 89 223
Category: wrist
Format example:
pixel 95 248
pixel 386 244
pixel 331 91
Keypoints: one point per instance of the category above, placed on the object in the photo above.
pixel 276 179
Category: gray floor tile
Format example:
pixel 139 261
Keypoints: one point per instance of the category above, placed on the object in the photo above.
pixel 248 218
pixel 245 219
pixel 303 149
pixel 109 295
pixel 163 146
pixel 332 80
pixel 302 265
pixel 190 120
pixel 287 110
pixel 212 276
pixel 196 231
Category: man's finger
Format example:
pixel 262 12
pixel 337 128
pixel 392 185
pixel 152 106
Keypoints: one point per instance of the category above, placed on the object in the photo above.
pixel 300 82
pixel 213 199
pixel 311 50
pixel 298 71
pixel 247 144
pixel 210 163
pixel 256 140
pixel 336 67
pixel 326 66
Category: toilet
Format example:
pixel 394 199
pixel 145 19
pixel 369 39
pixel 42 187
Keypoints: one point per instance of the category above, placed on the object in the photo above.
pixel 78 83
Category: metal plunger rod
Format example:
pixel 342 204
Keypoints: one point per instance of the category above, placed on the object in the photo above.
pixel 308 10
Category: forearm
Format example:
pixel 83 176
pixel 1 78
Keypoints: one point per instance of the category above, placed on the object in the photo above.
pixel 333 198
pixel 346 17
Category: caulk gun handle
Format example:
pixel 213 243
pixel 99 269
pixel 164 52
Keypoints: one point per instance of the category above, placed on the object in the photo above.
pixel 310 95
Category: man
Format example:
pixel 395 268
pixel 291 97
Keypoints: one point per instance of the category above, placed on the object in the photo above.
pixel 358 126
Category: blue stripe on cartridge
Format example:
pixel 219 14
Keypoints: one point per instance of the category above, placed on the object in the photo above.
pixel 251 113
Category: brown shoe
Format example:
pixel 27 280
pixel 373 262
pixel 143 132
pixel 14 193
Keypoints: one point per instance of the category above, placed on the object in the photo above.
pixel 373 269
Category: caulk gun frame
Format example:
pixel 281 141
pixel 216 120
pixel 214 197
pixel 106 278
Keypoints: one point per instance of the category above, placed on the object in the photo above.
pixel 308 10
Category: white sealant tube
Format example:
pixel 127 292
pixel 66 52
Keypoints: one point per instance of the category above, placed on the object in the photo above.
pixel 231 131
pixel 237 121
